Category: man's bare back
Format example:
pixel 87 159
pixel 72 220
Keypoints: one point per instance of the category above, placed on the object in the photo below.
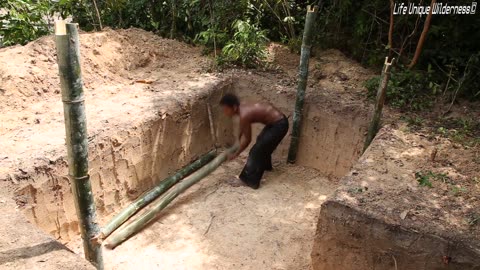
pixel 264 113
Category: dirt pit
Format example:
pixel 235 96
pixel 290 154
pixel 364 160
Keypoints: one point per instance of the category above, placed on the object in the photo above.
pixel 141 132
pixel 217 226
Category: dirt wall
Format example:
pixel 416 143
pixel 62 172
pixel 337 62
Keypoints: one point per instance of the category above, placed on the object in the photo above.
pixel 381 217
pixel 125 165
pixel 348 239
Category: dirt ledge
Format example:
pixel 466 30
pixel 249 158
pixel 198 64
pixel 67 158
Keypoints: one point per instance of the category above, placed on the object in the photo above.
pixel 381 218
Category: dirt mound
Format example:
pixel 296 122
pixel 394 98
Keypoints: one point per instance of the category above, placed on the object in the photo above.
pixel 30 73
pixel 123 70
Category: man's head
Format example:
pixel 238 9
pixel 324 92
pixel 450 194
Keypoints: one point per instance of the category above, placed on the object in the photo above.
pixel 230 104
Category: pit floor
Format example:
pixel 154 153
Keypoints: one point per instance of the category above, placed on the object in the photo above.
pixel 215 225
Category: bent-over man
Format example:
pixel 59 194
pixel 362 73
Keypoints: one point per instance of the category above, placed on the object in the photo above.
pixel 260 156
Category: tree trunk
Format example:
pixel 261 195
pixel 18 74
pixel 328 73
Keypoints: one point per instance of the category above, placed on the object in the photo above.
pixel 173 29
pixel 423 36
pixel 98 14
pixel 154 193
pixel 68 54
pixel 302 83
pixel 121 235
pixel 390 31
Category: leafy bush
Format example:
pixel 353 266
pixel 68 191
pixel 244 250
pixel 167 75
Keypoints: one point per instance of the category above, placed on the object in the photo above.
pixel 406 89
pixel 210 38
pixel 23 21
pixel 247 47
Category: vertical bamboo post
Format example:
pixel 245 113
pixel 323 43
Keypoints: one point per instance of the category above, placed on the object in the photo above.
pixel 380 101
pixel 68 55
pixel 302 82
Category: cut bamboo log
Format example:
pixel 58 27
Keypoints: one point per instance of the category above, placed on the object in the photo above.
pixel 302 82
pixel 380 101
pixel 121 235
pixel 154 193
pixel 68 54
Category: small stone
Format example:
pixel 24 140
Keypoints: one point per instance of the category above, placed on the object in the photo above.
pixel 404 214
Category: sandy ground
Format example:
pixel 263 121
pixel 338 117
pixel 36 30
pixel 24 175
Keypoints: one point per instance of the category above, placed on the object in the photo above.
pixel 217 226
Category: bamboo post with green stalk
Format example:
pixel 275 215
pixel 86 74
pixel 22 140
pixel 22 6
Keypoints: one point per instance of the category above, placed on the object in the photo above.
pixel 380 101
pixel 302 82
pixel 124 233
pixel 154 193
pixel 68 54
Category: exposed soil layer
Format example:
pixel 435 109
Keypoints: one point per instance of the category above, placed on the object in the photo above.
pixel 25 246
pixel 382 217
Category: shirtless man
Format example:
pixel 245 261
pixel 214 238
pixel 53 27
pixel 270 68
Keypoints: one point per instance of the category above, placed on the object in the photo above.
pixel 260 156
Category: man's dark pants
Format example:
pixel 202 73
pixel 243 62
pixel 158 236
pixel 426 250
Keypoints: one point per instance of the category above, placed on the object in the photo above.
pixel 260 156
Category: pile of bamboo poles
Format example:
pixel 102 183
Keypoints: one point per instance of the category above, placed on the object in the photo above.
pixel 170 187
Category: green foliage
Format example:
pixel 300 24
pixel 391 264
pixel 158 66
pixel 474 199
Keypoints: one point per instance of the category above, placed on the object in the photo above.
pixel 355 190
pixel 23 21
pixel 423 179
pixel 465 131
pixel 406 90
pixel 414 121
pixel 457 190
pixel 449 62
pixel 247 47
pixel 210 37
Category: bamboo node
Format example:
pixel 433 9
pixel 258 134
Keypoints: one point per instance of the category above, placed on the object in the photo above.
pixel 85 177
pixel 73 101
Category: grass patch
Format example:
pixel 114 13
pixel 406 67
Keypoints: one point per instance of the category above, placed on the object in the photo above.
pixel 424 178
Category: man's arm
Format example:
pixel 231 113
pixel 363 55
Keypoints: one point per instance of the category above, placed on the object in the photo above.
pixel 246 131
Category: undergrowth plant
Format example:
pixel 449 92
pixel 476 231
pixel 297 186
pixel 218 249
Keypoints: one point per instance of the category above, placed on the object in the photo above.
pixel 406 90
pixel 23 20
pixel 247 47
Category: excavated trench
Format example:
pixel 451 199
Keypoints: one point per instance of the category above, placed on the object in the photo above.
pixel 125 165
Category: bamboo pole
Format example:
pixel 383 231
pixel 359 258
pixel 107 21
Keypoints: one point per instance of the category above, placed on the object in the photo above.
pixel 302 82
pixel 154 193
pixel 380 101
pixel 121 235
pixel 68 54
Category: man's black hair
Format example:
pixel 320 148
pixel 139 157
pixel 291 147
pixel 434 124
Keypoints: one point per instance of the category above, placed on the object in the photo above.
pixel 230 100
